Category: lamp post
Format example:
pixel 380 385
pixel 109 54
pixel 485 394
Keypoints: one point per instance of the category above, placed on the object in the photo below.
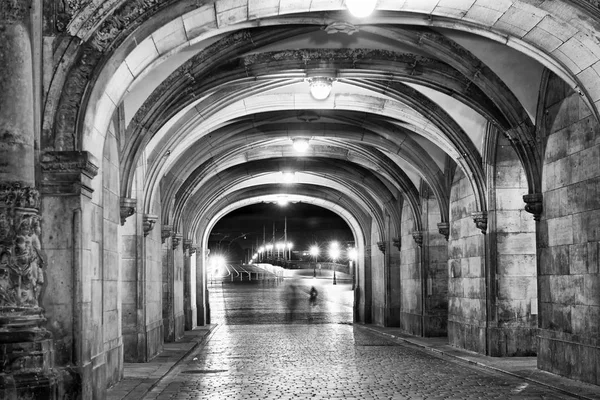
pixel 269 248
pixel 314 251
pixel 260 253
pixel 289 246
pixel 352 255
pixel 334 253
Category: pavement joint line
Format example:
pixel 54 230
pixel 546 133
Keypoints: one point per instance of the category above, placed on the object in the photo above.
pixel 200 342
pixel 480 364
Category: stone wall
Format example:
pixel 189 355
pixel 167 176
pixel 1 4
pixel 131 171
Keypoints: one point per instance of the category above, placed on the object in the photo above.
pixel 410 276
pixel 568 239
pixel 435 256
pixel 466 262
pixel 511 235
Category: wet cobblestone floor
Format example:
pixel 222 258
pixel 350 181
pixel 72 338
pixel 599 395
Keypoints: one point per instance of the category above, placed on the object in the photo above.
pixel 271 344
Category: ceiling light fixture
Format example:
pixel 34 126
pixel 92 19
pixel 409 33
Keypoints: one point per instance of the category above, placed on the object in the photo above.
pixel 288 176
pixel 361 8
pixel 283 201
pixel 320 87
pixel 300 145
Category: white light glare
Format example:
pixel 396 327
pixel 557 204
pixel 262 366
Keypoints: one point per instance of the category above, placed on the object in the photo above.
pixel 288 176
pixel 361 8
pixel 320 87
pixel 283 201
pixel 300 145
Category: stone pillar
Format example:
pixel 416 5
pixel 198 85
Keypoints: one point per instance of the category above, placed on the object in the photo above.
pixel 202 308
pixel 189 277
pixel 26 346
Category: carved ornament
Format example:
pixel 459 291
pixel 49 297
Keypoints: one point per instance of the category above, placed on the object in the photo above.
pixel 176 239
pixel 148 222
pixel 194 248
pixel 480 219
pixel 341 27
pixel 397 242
pixel 418 237
pixel 444 229
pixel 71 98
pixel 67 172
pixel 166 232
pixel 21 256
pixel 17 194
pixel 187 244
pixel 382 246
pixel 12 11
pixel 534 204
pixel 127 208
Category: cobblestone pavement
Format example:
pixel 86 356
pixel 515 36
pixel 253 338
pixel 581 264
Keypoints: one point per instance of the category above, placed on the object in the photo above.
pixel 258 351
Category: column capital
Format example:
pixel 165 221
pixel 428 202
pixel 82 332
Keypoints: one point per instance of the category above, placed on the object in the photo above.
pixel 444 229
pixel 166 232
pixel 397 242
pixel 176 239
pixel 194 248
pixel 187 244
pixel 148 222
pixel 534 204
pixel 127 208
pixel 68 173
pixel 481 219
pixel 12 11
pixel 418 237
pixel 382 246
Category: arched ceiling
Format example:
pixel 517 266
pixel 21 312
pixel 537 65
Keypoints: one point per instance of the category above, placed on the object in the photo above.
pixel 212 94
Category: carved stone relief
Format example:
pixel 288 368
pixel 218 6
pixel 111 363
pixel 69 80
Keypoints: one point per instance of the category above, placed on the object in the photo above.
pixel 14 10
pixel 382 246
pixel 21 256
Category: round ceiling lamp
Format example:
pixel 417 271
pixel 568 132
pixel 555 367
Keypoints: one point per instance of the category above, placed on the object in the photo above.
pixel 300 145
pixel 320 87
pixel 288 176
pixel 361 8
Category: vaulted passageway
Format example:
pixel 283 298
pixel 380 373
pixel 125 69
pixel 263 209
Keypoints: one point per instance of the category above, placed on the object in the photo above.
pixel 457 140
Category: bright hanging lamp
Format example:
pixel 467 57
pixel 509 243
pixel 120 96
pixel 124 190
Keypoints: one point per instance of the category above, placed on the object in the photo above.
pixel 320 87
pixel 300 145
pixel 361 8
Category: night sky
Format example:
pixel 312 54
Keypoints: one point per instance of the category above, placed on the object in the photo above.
pixel 306 225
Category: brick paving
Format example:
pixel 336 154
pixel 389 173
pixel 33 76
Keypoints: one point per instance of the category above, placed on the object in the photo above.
pixel 258 352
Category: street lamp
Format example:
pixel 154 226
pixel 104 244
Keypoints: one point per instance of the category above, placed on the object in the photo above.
pixel 280 247
pixel 261 249
pixel 289 246
pixel 269 248
pixel 314 251
pixel 334 254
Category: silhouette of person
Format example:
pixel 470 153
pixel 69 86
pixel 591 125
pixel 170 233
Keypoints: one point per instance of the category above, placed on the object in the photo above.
pixel 313 296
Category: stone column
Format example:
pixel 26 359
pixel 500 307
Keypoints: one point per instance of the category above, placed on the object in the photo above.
pixel 202 308
pixel 26 346
pixel 189 275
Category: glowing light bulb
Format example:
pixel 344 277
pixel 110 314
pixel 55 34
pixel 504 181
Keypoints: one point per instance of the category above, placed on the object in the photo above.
pixel 361 8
